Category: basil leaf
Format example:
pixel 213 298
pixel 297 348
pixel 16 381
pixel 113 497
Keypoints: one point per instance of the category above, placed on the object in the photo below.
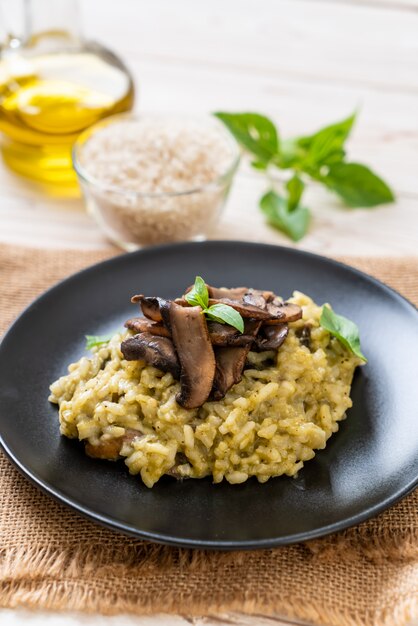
pixel 326 145
pixel 293 223
pixel 218 312
pixel 295 187
pixel 256 133
pixel 198 296
pixel 343 329
pixel 259 165
pixel 357 185
pixel 290 154
pixel 93 341
pixel 225 314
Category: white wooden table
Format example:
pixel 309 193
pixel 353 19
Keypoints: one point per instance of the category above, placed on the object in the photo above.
pixel 305 63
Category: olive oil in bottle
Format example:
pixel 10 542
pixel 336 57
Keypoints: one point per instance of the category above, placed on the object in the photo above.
pixel 52 87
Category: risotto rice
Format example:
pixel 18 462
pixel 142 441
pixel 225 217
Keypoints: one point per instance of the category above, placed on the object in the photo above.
pixel 286 406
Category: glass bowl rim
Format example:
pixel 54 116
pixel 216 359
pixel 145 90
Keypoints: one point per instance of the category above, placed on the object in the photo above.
pixel 86 177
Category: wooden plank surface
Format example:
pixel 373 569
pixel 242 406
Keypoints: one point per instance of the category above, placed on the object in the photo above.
pixel 304 63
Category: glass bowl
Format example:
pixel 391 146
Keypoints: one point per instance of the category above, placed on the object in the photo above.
pixel 133 219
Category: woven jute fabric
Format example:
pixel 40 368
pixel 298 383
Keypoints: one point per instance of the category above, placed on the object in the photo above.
pixel 52 558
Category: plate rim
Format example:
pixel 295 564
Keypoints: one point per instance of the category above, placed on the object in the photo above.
pixel 227 545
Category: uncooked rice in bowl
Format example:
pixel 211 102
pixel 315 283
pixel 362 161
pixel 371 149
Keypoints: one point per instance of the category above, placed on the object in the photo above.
pixel 156 178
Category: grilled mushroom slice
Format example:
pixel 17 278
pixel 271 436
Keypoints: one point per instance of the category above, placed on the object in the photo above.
pixel 229 366
pixel 271 337
pixel 157 351
pixel 236 293
pixel 220 334
pixel 110 449
pixel 246 310
pixel 181 459
pixel 225 335
pixel 143 325
pixel 191 340
pixel 230 363
pixel 282 312
pixel 149 306
pixel 255 304
pixel 258 298
pixel 304 335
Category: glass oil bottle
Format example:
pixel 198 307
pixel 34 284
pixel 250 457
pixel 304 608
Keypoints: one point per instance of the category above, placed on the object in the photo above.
pixel 53 85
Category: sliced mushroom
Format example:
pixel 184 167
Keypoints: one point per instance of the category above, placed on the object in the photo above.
pixel 230 363
pixel 245 310
pixel 220 334
pixel 258 298
pixel 149 306
pixel 235 293
pixel 182 301
pixel 229 366
pixel 254 304
pixel 223 292
pixel 194 349
pixel 282 312
pixel 304 335
pixel 143 325
pixel 181 459
pixel 109 449
pixel 271 337
pixel 225 335
pixel 157 351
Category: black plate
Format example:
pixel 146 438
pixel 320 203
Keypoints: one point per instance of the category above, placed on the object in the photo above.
pixel 367 466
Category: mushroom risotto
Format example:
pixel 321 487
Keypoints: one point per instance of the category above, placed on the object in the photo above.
pixel 228 383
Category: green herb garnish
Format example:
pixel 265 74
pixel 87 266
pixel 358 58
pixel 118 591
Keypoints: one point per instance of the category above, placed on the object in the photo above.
pixel 198 295
pixel 320 157
pixel 93 341
pixel 343 329
pixel 225 314
pixel 222 313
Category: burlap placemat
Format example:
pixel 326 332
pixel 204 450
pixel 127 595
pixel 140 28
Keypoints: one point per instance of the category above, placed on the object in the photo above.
pixel 52 558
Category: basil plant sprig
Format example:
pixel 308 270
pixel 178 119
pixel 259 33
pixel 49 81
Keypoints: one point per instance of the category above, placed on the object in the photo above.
pixel 320 157
pixel 343 329
pixel 222 313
